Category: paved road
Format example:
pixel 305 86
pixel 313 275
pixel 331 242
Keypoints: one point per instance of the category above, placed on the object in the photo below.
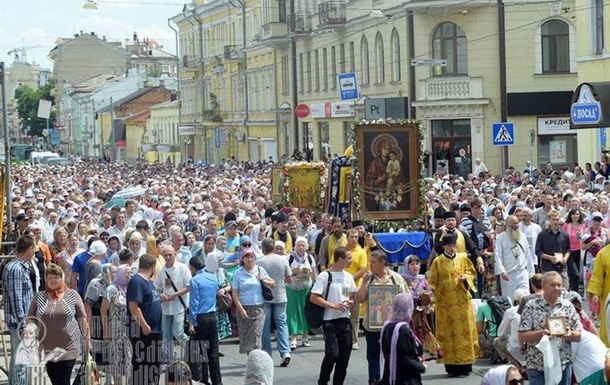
pixel 305 365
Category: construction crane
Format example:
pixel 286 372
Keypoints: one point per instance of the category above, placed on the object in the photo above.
pixel 21 53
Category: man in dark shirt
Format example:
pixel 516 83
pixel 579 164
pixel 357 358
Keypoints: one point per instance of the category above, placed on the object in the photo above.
pixel 144 314
pixel 553 247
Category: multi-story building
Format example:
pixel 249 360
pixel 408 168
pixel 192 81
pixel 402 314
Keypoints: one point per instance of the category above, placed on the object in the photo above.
pixel 493 62
pixel 593 66
pixel 227 82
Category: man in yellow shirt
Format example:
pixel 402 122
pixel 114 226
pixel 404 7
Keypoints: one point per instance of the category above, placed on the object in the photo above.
pixel 357 269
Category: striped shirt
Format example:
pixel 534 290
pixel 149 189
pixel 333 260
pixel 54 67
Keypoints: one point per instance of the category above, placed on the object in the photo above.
pixel 17 291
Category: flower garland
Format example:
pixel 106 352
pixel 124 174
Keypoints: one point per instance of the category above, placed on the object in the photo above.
pixel 386 226
pixel 288 167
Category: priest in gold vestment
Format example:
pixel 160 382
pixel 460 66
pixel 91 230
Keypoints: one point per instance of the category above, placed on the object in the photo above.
pixel 452 278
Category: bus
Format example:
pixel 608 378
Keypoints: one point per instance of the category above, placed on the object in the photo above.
pixel 20 153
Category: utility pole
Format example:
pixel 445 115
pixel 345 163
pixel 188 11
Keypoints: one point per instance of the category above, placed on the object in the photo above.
pixel 7 146
pixel 113 157
pixel 294 120
pixel 178 93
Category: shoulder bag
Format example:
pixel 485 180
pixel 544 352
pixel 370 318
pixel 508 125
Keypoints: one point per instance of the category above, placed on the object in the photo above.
pixel 267 293
pixel 186 309
pixel 314 314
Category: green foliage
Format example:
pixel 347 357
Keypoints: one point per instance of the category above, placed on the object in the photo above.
pixel 213 114
pixel 27 107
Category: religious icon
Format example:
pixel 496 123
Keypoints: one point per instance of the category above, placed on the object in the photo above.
pixel 557 325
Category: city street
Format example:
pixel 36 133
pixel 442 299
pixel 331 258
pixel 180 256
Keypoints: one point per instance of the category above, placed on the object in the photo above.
pixel 305 365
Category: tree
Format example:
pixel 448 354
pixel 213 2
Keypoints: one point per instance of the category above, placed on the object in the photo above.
pixel 27 107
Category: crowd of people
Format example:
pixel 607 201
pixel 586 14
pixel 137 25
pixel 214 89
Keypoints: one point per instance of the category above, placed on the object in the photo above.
pixel 147 258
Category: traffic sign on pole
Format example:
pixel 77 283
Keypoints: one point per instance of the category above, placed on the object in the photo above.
pixel 503 134
pixel 302 111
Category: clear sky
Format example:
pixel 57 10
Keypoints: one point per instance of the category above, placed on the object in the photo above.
pixel 38 23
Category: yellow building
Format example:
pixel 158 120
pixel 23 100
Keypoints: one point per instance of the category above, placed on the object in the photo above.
pixel 158 142
pixel 457 101
pixel 593 66
pixel 225 114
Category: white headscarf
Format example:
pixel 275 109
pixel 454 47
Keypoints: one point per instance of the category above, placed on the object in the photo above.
pixel 254 235
pixel 211 262
pixel 259 368
pixel 496 376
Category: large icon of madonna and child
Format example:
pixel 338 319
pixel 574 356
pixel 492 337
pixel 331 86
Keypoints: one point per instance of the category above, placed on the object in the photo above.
pixel 388 166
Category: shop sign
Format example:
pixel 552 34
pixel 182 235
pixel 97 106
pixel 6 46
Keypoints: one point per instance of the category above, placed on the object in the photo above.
pixel 554 125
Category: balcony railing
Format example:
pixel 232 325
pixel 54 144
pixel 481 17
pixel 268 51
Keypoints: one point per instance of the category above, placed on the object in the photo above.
pixel 443 88
pixel 331 13
pixel 299 24
pixel 273 31
pixel 231 52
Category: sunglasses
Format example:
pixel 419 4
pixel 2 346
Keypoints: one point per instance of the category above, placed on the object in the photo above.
pixel 246 244
pixel 516 381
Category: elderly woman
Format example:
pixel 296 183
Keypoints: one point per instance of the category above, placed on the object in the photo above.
pixel 114 317
pixel 60 242
pixel 401 349
pixel 304 272
pixel 65 258
pixel 62 312
pixel 249 301
pixel 212 265
pixel 503 375
pixel 259 368
pixel 94 294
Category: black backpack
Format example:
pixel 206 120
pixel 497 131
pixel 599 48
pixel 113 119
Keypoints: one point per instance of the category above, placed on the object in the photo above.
pixel 477 233
pixel 309 258
pixel 498 305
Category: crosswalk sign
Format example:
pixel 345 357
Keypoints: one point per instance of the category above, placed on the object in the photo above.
pixel 503 134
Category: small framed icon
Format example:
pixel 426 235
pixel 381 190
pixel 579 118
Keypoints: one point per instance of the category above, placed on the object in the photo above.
pixel 557 325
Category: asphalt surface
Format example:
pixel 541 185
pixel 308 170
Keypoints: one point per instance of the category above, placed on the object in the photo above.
pixel 305 366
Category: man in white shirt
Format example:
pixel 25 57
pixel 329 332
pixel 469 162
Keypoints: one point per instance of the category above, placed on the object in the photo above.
pixel 507 343
pixel 172 283
pixel 337 326
pixel 512 259
pixel 531 231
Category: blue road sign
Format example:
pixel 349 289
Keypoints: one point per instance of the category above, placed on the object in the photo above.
pixel 503 134
pixel 586 113
pixel 348 86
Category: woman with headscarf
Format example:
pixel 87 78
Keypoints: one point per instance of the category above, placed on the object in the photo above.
pixel 114 247
pixel 94 294
pixel 422 298
pixel 65 258
pixel 59 243
pixel 114 318
pixel 503 375
pixel 248 299
pixel 304 273
pixel 212 265
pixel 259 368
pixel 401 349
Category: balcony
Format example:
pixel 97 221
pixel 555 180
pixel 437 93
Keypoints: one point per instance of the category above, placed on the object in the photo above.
pixel 232 52
pixel 455 88
pixel 189 61
pixel 331 14
pixel 271 31
pixel 447 6
pixel 299 24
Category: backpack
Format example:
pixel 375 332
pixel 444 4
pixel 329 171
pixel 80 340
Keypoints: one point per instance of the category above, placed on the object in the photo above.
pixel 477 234
pixel 498 305
pixel 314 314
pixel 312 263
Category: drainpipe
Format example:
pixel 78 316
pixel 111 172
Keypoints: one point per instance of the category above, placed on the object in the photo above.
pixel 502 57
pixel 294 120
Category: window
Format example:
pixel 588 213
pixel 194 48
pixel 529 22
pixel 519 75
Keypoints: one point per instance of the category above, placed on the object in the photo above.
pixel 352 57
pixel 395 45
pixel 285 75
pixel 333 63
pixel 449 42
pixel 342 57
pixel 316 63
pixel 364 61
pixel 379 59
pixel 555 46
pixel 301 74
pixel 598 32
pixel 309 74
pixel 325 69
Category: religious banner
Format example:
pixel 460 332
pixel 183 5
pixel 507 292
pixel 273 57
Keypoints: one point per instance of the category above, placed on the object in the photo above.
pixel 305 184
